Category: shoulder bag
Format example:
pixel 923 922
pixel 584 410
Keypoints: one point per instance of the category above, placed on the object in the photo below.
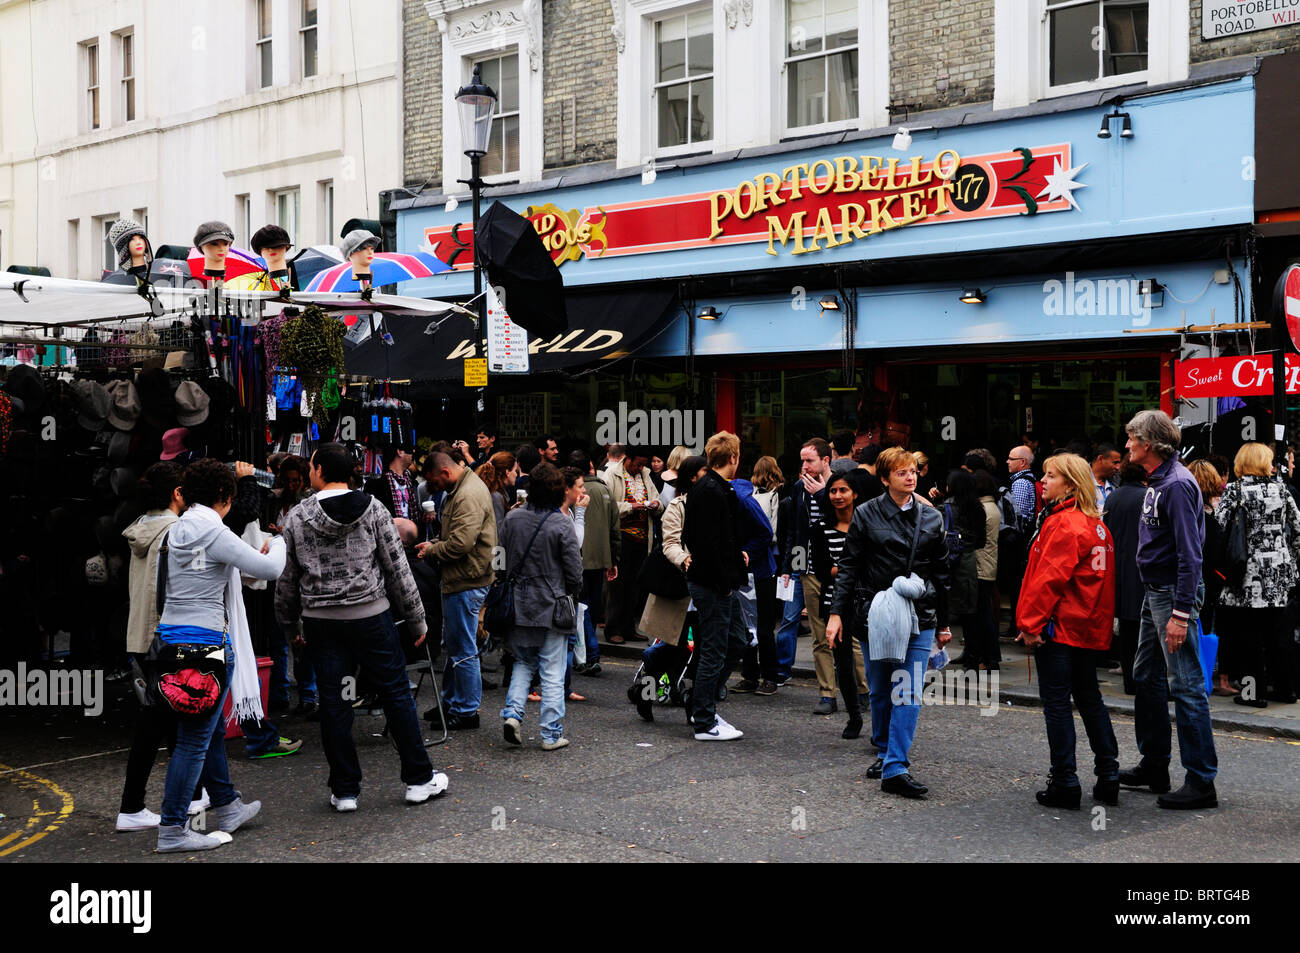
pixel 190 679
pixel 499 606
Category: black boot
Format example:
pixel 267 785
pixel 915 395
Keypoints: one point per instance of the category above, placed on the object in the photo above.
pixel 1190 797
pixel 877 766
pixel 854 728
pixel 1058 795
pixel 1107 792
pixel 905 785
pixel 1157 779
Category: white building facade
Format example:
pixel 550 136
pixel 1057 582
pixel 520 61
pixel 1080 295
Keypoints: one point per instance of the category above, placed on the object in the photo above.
pixel 249 111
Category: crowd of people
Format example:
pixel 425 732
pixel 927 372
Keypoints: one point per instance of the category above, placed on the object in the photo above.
pixel 525 553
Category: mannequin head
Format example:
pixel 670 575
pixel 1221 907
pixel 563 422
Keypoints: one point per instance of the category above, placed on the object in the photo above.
pixel 273 244
pixel 138 246
pixel 130 244
pixel 359 248
pixel 213 240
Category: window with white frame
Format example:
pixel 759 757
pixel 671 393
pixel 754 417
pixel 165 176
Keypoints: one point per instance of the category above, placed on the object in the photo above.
pixel 74 246
pixel 683 79
pixel 501 74
pixel 1089 40
pixel 108 254
pixel 288 210
pixel 309 36
pixel 326 211
pixel 126 57
pixel 821 62
pixel 264 60
pixel 243 219
pixel 92 85
pixel 141 215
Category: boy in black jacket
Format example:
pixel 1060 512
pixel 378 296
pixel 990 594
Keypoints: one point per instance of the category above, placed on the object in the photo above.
pixel 716 570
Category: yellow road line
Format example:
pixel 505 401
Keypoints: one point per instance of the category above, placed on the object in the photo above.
pixel 26 781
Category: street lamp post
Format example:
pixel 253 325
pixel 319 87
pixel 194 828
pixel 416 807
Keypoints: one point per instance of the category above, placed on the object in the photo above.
pixel 476 104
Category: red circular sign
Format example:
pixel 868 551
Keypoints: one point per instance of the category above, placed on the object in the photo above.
pixel 1291 302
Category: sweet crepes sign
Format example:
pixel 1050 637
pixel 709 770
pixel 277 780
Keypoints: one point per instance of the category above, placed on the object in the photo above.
pixel 808 206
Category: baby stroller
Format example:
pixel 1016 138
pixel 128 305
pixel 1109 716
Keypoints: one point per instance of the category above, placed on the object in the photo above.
pixel 666 676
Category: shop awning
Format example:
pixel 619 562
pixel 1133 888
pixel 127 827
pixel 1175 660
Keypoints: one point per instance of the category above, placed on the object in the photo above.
pixel 603 326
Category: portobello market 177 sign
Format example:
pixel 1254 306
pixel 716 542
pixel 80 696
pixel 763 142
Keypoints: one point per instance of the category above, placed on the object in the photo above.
pixel 806 207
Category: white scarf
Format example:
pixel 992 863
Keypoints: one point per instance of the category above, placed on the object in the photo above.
pixel 245 688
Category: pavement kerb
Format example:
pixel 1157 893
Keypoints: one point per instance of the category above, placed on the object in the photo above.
pixel 1253 724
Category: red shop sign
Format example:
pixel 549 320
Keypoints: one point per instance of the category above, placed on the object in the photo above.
pixel 1248 376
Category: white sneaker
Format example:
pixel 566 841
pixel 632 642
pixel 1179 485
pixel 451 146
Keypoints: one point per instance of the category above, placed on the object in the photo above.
pixel 202 804
pixel 345 805
pixel 721 731
pixel 143 820
pixel 557 743
pixel 511 730
pixel 419 793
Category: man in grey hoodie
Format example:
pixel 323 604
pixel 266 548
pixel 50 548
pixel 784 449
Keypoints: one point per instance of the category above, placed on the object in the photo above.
pixel 344 562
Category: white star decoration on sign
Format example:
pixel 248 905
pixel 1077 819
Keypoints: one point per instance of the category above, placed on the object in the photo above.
pixel 1061 184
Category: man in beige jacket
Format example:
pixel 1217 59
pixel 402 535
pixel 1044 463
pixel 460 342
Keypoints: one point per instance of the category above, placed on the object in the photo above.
pixel 464 553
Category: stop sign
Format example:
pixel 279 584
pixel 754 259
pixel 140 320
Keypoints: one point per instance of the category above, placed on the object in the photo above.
pixel 1290 283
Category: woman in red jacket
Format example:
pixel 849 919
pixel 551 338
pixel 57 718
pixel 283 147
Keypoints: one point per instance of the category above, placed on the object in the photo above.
pixel 1067 602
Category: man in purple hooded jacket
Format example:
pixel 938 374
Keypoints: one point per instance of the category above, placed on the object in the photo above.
pixel 1171 531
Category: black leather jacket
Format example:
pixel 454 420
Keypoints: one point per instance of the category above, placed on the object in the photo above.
pixel 876 551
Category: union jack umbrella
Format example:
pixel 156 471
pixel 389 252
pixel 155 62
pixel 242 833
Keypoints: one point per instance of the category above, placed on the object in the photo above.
pixel 239 261
pixel 388 268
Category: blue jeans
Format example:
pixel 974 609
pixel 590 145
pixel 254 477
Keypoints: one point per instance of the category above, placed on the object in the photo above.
pixel 893 725
pixel 337 647
pixel 259 736
pixel 593 581
pixel 462 679
pixel 1064 670
pixel 1160 675
pixel 200 752
pixel 548 663
pixel 720 641
pixel 787 637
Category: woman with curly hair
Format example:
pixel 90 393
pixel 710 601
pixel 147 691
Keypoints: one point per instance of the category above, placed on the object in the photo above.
pixel 499 474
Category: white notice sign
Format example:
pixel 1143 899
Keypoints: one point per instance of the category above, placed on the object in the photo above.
pixel 1220 18
pixel 507 342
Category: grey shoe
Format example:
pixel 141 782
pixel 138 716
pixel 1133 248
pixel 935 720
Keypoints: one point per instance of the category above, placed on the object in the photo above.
pixel 825 706
pixel 230 817
pixel 178 838
pixel 511 730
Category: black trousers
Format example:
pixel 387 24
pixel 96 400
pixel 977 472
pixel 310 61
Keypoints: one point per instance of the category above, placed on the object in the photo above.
pixel 760 660
pixel 1259 648
pixel 1126 650
pixel 626 594
pixel 846 675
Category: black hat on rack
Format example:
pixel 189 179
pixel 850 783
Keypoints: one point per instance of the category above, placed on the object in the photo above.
pixel 269 236
pixel 92 403
pixel 24 384
pixel 157 406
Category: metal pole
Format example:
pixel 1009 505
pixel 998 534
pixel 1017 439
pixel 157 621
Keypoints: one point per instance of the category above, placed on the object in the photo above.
pixel 476 188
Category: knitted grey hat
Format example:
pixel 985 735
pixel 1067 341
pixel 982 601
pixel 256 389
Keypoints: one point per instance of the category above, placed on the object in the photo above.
pixel 120 234
pixel 356 240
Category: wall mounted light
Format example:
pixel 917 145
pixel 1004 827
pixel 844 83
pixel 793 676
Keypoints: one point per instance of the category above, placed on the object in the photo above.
pixel 902 139
pixel 972 296
pixel 708 313
pixel 830 303
pixel 1125 131
pixel 648 174
pixel 1152 293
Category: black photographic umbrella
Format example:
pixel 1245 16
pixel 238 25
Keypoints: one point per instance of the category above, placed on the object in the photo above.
pixel 516 261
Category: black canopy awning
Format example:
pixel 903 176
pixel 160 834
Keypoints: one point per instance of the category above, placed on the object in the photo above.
pixel 602 326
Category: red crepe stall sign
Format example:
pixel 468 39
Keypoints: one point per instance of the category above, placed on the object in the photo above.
pixel 1245 376
pixel 805 207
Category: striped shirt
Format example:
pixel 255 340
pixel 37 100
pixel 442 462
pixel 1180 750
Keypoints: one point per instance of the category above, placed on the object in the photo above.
pixel 835 547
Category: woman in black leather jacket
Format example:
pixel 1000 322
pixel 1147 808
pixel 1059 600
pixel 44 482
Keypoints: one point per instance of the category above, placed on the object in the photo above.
pixel 877 551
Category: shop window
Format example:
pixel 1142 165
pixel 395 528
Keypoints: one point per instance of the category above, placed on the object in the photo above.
pixel 501 74
pixel 1091 40
pixel 683 79
pixel 821 62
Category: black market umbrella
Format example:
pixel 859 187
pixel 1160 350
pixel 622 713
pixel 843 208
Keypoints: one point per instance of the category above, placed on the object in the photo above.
pixel 312 260
pixel 164 271
pixel 516 261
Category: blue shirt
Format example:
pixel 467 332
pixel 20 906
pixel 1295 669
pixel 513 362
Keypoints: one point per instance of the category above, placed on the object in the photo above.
pixel 1171 531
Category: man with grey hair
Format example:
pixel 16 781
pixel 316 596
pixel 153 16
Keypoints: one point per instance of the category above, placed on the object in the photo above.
pixel 1171 531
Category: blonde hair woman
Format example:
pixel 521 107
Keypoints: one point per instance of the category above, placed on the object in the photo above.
pixel 1067 602
pixel 669 475
pixel 1252 609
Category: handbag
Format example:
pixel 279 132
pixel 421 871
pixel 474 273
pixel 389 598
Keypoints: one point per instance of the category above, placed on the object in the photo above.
pixel 565 617
pixel 190 679
pixel 499 606
pixel 1235 547
pixel 659 577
